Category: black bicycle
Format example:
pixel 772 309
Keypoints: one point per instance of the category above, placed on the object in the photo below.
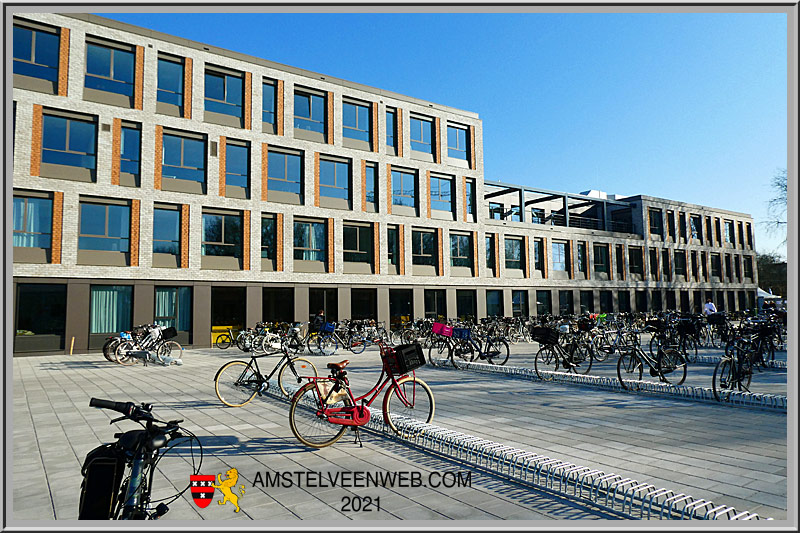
pixel 107 493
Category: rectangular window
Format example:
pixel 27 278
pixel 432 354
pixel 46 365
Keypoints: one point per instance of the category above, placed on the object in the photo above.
pixel 606 302
pixel 494 303
pixel 104 227
pixel 130 150
pixel 268 102
pixel 749 236
pixel 695 271
pixel 537 215
pixel 461 250
pixel 284 172
pixel 356 121
pixel 680 263
pixel 741 235
pixel 566 305
pixel 729 231
pixel 166 231
pixel 682 226
pixel 624 298
pixel 490 263
pixel 655 301
pixel 716 266
pixel 268 237
pixel 601 258
pixel 110 308
pixel 69 141
pixel 310 241
pixel 696 225
pixel 620 260
pixel 718 231
pixel 519 303
pixel 514 255
pixel 515 214
pixel 544 304
pixel 665 266
pixel 357 242
pixel 391 127
pixel 435 304
pixel 170 82
pixel 334 179
pixel 738 267
pixel 636 260
pixel 36 53
pixel 441 194
pixel 173 307
pixel 423 248
pixel 709 234
pixel 656 223
pixel 33 221
pixel 704 265
pixel 653 263
pixel 538 254
pixel 41 317
pixel 224 93
pixel 728 269
pixel 404 188
pixel 222 235
pixel 457 143
pixel 587 302
pixel 393 246
pixel 581 259
pixel 237 165
pixel 470 194
pixel 560 257
pixel 671 224
pixel 748 267
pixel 309 112
pixel 496 211
pixel 371 180
pixel 422 135
pixel 183 158
pixel 109 69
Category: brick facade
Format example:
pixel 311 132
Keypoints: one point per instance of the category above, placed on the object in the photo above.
pixel 187 87
pixel 135 232
pixel 184 243
pixel 222 172
pixel 116 146
pixel 58 226
pixel 63 62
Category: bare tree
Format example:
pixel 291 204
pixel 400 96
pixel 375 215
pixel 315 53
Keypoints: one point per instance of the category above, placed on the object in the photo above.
pixel 776 208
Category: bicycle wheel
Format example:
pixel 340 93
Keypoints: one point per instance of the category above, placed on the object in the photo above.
pixel 689 349
pixel 326 345
pixel 671 365
pixel 722 382
pixel 497 352
pixel 581 357
pixel 292 371
pixel 308 423
pixel 223 341
pixel 408 402
pixel 408 336
pixel 120 353
pixel 109 349
pixel 170 349
pixel 629 367
pixel 237 383
pixel 546 360
pixel 462 351
pixel 600 348
pixel 396 337
pixel 357 344
pixel 439 350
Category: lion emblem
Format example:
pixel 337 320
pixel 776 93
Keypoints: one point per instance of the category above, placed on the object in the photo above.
pixel 227 486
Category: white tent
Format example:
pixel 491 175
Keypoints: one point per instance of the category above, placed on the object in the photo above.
pixel 767 296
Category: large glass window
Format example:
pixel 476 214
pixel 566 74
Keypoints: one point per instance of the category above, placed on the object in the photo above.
pixel 696 225
pixel 656 223
pixel 130 150
pixel 237 165
pixel 109 69
pixel 170 82
pixel 33 222
pixel 606 302
pixel 441 194
pixel 310 241
pixel 636 260
pixel 729 231
pixel 183 158
pixel 371 180
pixel 173 307
pixel 393 246
pixel 404 188
pixel 513 253
pixel 682 226
pixel 68 141
pixel 104 227
pixel 538 254
pixel 544 305
pixel 422 135
pixel 581 259
pixel 284 172
pixel 223 93
pixel 166 231
pixel 601 258
pixel 496 211
pixel 41 316
pixel 566 304
pixel 268 238
pixel 457 143
pixel 36 53
pixel 748 267
pixel 334 179
pixel 560 257
pixel 470 194
pixel 515 214
pixel 423 248
pixel 494 303
pixel 716 266
pixel 519 303
pixel 461 250
pixel 111 308
pixel 309 112
pixel 268 101
pixel 391 121
pixel 537 215
pixel 222 235
pixel 357 241
pixel 680 263
pixel 356 123
pixel 490 252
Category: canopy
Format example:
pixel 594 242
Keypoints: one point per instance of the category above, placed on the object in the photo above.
pixel 767 296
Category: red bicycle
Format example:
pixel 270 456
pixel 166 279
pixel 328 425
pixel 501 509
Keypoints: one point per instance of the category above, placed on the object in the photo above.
pixel 323 409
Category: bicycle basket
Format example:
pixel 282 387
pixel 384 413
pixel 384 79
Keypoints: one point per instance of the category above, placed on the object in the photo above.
pixel 328 327
pixel 404 358
pixel 585 325
pixel 544 335
pixel 716 319
pixel 169 333
pixel 654 325
pixel 442 329
pixel 462 333
pixel 102 475
pixel 686 327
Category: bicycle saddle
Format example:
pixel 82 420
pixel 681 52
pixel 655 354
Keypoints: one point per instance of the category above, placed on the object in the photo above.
pixel 338 366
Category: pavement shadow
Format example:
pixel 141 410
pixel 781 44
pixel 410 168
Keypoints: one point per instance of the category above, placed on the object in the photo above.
pixel 230 445
pixel 61 365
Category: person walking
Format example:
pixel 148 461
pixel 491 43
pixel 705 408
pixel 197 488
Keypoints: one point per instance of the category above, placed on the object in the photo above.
pixel 319 320
pixel 709 308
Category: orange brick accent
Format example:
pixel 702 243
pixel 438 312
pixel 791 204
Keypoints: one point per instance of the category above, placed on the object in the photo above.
pixel 248 100
pixel 440 240
pixel 36 140
pixel 376 246
pixel 264 171
pixel 388 188
pixel 645 270
pixel 586 261
pixel 135 207
pixel 624 265
pixel 544 258
pixel 571 259
pixel 222 165
pixel 331 254
pixel 116 147
pixel 63 62
pixel 464 196
pixel 657 273
pixel 246 240
pixel 527 264
pixel 138 79
pixel 375 136
pixel 649 225
pixel 363 185
pixel 330 117
pixel 158 157
pixel 401 248
pixel 399 115
pixel 472 164
pixel 184 244
pixel 428 177
pixel 497 255
pixel 58 224
pixel 610 261
pixel 279 242
pixel 279 108
pixel 187 87
pixel 475 249
pixel 316 179
pixel 438 136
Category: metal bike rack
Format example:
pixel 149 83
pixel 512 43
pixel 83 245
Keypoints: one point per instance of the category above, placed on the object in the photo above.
pixel 714 359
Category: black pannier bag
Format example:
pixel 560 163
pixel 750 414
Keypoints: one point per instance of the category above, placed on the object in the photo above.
pixel 102 475
pixel 169 333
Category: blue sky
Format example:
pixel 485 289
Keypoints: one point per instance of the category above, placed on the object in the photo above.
pixel 684 106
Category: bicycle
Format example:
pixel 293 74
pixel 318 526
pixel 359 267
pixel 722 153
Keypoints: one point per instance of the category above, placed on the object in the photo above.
pixel 150 342
pixel 329 339
pixel 106 493
pixel 574 356
pixel 667 362
pixel 492 349
pixel 733 372
pixel 224 340
pixel 238 382
pixel 322 410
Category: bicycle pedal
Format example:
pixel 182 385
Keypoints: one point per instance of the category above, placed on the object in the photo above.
pixel 653 372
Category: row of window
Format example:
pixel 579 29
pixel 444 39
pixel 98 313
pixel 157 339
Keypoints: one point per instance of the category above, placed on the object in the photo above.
pixel 110 70
pixel 721 230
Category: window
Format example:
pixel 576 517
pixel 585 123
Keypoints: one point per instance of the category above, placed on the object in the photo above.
pixel 587 302
pixel 110 308
pixel 404 188
pixel 222 235
pixel 544 304
pixel 490 252
pixel 738 267
pixel 566 304
pixel 237 165
pixel 470 194
pixel 620 251
pixel 284 172
pixel 393 246
pixel 538 254
pixel 655 301
pixel 33 221
pixel 671 224
pixel 656 223
pixel 461 250
pixel 653 263
pixel 494 303
pixel 422 135
pixel 636 260
pixel 515 214
pixel 223 93
pixel 109 69
pixel 748 267
pixel 268 102
pixel 457 143
pixel 357 242
pixel 728 269
pixel 391 127
pixel 514 256
pixel 309 112
pixel 704 265
pixel 36 53
pixel 601 258
pixel 41 317
pixel 718 231
pixel 624 298
pixel 166 231
pixel 741 235
pixel 371 180
pixel 423 248
pixel 606 302
pixel 69 141
pixel 749 236
pixel 130 150
pixel 334 179
pixel 581 259
pixel 173 307
pixel 310 241
pixel 170 82
pixel 680 263
pixel 496 211
pixel 441 194
pixel 560 257
pixel 519 303
pixel 729 231
pixel 104 227
pixel 696 226
pixel 356 123
pixel 537 215
pixel 665 266
pixel 183 158
pixel 716 266
pixel 682 226
pixel 709 234
pixel 268 233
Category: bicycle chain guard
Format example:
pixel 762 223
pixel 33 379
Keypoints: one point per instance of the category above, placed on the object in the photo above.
pixel 354 415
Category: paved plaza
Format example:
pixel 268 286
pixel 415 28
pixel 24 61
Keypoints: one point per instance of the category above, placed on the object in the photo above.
pixel 734 456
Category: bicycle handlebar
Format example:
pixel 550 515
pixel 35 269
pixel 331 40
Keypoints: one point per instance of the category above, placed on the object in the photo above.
pixel 129 409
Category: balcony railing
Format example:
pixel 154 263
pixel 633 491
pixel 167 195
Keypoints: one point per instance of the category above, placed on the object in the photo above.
pixel 577 221
pixel 620 227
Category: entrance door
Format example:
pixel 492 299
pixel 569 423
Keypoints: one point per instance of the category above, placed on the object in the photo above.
pixel 228 310
pixel 325 299
pixel 400 305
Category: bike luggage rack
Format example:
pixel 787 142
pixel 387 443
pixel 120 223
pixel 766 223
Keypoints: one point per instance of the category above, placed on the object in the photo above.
pixel 609 491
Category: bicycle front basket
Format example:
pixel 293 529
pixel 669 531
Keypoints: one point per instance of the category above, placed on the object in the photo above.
pixel 169 333
pixel 462 333
pixel 327 327
pixel 404 358
pixel 716 319
pixel 686 327
pixel 544 335
pixel 442 329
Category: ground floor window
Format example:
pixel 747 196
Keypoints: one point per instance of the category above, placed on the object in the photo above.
pixel 364 304
pixel 606 302
pixel 494 303
pixel 466 304
pixel 544 305
pixel 400 307
pixel 174 307
pixel 566 305
pixel 587 302
pixel 111 308
pixel 277 304
pixel 624 301
pixel 519 303
pixel 656 301
pixel 435 304
pixel 41 317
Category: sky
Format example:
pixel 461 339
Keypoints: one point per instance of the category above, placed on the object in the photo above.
pixel 690 107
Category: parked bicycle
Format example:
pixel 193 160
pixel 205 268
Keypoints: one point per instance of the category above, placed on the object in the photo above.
pixel 574 356
pixel 669 365
pixel 148 343
pixel 733 372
